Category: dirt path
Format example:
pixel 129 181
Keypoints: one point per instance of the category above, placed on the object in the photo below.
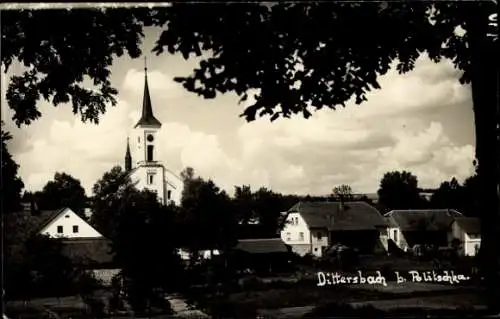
pixel 182 310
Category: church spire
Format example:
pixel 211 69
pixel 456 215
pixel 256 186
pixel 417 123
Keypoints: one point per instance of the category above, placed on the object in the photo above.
pixel 147 117
pixel 128 158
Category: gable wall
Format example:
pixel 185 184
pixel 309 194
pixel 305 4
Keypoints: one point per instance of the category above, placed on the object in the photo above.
pixel 67 219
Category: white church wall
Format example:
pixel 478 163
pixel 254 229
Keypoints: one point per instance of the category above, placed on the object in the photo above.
pixel 174 185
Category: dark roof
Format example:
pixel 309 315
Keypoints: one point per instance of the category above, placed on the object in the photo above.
pixel 470 225
pixel 262 246
pixel 43 217
pixel 355 215
pixel 418 220
pixel 147 117
pixel 88 250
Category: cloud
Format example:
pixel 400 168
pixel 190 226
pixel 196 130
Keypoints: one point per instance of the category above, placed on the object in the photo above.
pixel 397 128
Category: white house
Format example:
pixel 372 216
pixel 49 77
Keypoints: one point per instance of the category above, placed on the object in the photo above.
pixel 468 231
pixel 311 227
pixel 64 223
pixel 301 238
pixel 149 173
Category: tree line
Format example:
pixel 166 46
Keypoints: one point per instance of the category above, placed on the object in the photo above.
pixel 145 234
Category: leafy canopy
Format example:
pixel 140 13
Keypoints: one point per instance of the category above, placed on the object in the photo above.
pixel 11 185
pixel 63 191
pixel 293 54
pixel 399 190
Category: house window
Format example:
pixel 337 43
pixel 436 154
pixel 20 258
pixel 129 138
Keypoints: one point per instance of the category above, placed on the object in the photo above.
pixel 316 249
pixel 296 221
pixel 150 179
pixel 75 229
pixel 59 229
pixel 138 139
pixel 301 236
pixel 395 235
pixel 320 235
pixel 169 194
pixel 288 236
pixel 150 153
pixel 67 216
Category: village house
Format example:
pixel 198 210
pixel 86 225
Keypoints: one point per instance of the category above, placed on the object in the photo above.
pixel 467 230
pixel 84 245
pixel 262 255
pixel 311 227
pixel 408 228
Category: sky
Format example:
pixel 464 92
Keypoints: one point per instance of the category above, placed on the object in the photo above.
pixel 421 122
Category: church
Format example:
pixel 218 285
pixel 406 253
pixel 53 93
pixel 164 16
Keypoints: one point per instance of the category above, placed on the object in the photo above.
pixel 148 172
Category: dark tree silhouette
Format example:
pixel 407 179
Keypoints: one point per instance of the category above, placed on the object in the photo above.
pixel 106 199
pixel 11 184
pixel 450 194
pixel 343 192
pixel 399 190
pixel 244 204
pixel 63 191
pixel 207 213
pixel 48 41
pixel 148 258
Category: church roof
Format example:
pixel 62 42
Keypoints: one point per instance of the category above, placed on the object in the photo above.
pixel 147 117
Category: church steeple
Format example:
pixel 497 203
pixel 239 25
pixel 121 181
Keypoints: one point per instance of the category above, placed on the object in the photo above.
pixel 147 117
pixel 128 158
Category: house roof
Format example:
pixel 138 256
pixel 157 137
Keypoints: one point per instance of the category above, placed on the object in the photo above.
pixel 470 225
pixel 44 217
pixel 356 215
pixel 88 250
pixel 418 220
pixel 262 246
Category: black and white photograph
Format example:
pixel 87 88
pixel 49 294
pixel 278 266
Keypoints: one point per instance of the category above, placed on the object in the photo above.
pixel 291 159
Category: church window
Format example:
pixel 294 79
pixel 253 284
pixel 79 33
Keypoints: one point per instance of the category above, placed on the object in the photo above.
pixel 150 153
pixel 150 179
pixel 169 194
pixel 138 139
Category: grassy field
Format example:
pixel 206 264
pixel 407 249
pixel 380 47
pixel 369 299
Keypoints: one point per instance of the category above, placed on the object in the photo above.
pixel 306 293
pixel 65 307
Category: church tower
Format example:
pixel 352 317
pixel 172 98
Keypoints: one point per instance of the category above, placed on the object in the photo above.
pixel 146 129
pixel 147 171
